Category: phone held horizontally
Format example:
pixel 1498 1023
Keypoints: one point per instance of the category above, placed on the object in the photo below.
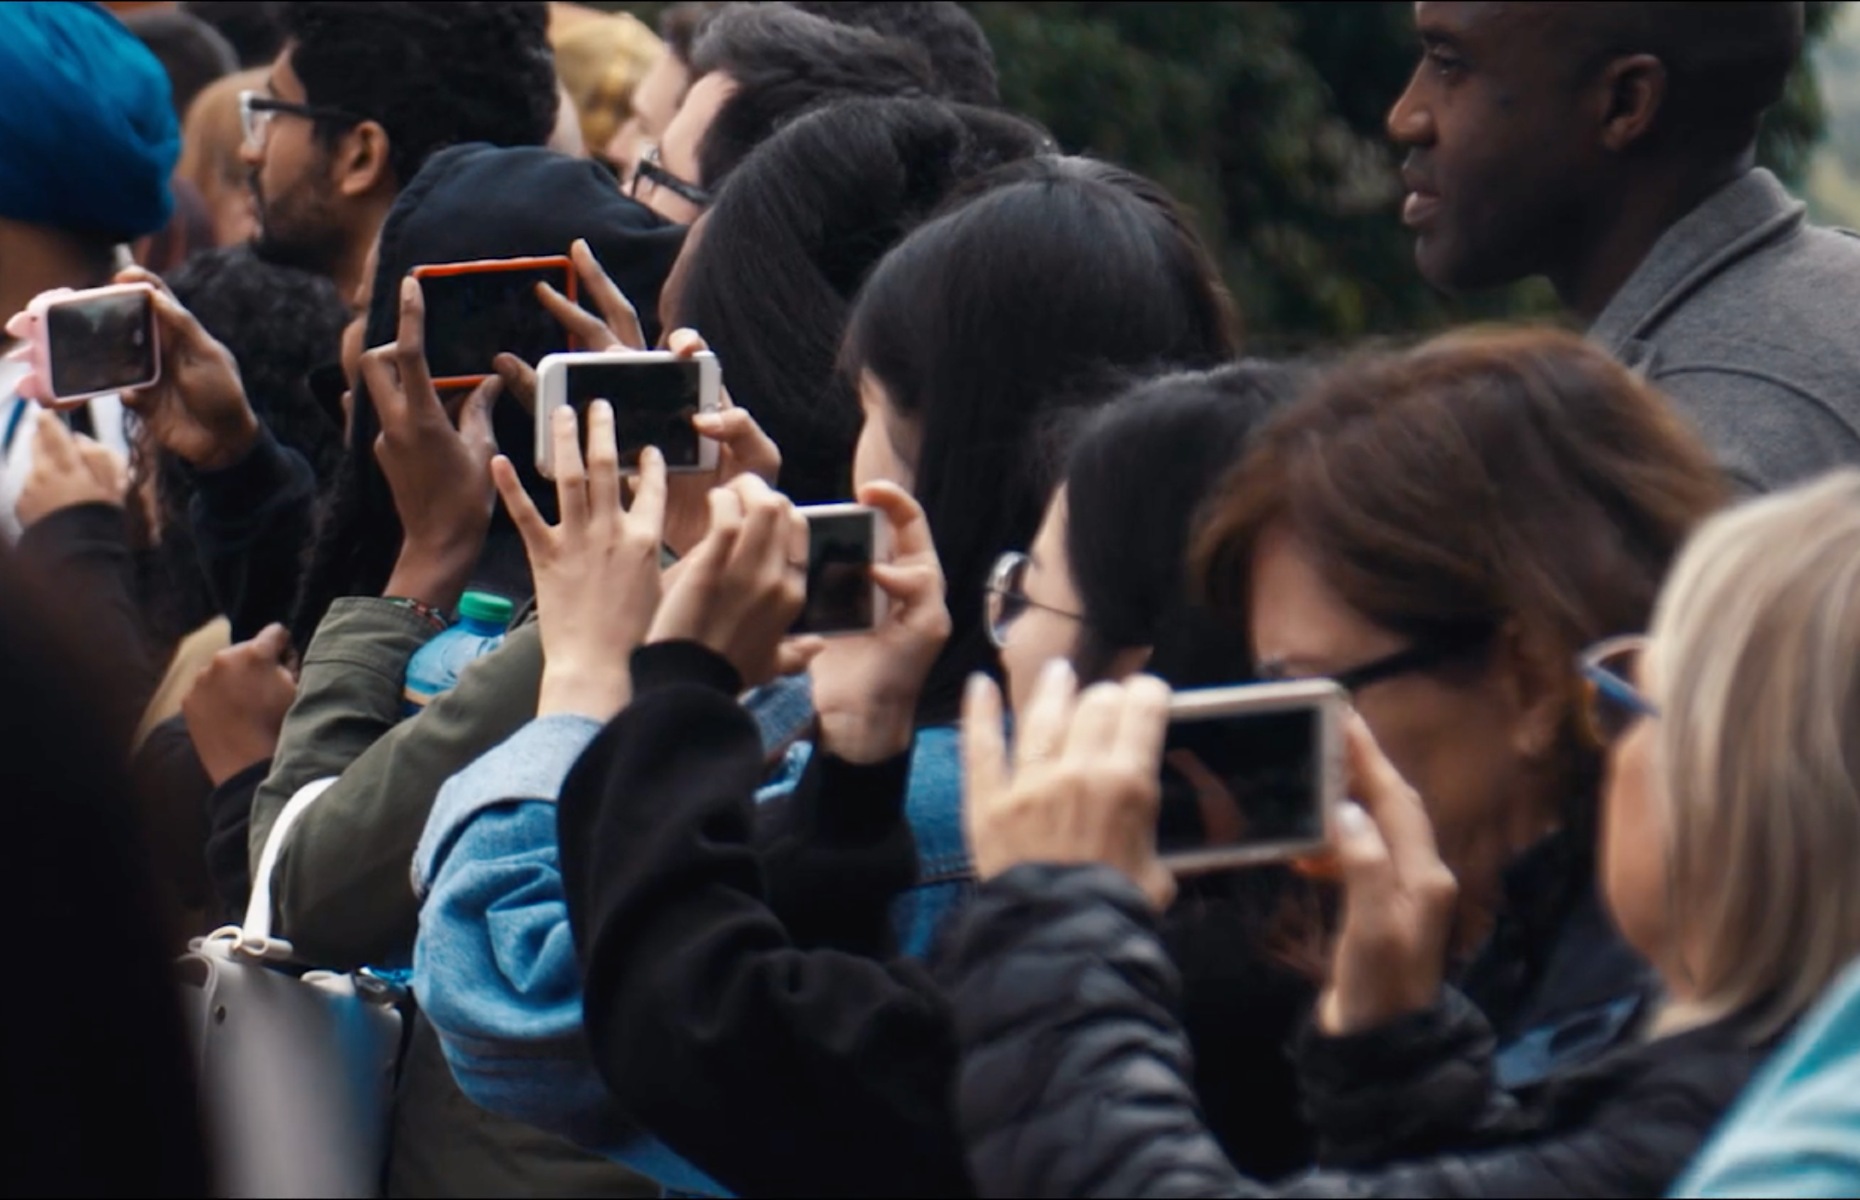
pixel 480 309
pixel 1251 774
pixel 93 342
pixel 654 394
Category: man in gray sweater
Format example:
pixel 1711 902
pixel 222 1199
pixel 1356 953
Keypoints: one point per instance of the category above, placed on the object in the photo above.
pixel 1611 148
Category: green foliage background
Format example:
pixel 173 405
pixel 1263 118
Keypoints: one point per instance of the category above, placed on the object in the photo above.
pixel 1266 120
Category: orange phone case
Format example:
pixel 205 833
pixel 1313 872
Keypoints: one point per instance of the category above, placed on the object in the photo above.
pixel 489 266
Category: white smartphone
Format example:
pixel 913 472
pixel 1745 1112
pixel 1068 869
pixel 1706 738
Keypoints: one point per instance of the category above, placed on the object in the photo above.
pixel 1251 774
pixel 654 394
pixel 843 543
pixel 94 342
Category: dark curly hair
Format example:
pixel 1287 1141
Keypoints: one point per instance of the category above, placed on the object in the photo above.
pixel 947 34
pixel 433 74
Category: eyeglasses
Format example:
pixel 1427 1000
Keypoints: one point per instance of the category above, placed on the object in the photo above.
pixel 1006 599
pixel 256 109
pixel 1424 655
pixel 649 169
pixel 1613 703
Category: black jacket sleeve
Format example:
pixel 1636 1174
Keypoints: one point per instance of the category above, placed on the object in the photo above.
pixel 251 522
pixel 83 554
pixel 839 853
pixel 777 1070
pixel 1074 1078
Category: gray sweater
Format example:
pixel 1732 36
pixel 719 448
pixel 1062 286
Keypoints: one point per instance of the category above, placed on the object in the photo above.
pixel 1749 318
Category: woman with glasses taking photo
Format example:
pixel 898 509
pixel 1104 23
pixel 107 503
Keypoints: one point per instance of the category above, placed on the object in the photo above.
pixel 1448 530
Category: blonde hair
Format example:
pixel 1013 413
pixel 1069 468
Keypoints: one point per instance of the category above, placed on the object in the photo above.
pixel 600 60
pixel 1756 644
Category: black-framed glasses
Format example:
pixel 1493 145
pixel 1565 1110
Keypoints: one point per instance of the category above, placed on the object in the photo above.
pixel 1613 703
pixel 1424 655
pixel 652 171
pixel 1006 600
pixel 256 110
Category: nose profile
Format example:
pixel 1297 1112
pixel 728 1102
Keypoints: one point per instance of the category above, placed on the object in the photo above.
pixel 1410 122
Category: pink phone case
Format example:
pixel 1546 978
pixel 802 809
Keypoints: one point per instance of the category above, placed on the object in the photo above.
pixel 31 326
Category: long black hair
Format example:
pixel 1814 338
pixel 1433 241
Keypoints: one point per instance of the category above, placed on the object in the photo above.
pixel 796 231
pixel 1046 289
pixel 1137 476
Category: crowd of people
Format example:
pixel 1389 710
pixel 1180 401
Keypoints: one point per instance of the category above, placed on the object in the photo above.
pixel 673 901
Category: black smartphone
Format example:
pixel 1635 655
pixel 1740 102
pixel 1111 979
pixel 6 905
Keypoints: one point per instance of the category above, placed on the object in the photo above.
pixel 843 542
pixel 478 310
pixel 1250 774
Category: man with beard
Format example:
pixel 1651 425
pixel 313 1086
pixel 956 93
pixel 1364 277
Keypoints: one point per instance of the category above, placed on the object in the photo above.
pixel 363 93
pixel 1611 148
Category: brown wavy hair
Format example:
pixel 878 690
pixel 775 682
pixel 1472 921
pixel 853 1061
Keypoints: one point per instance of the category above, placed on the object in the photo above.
pixel 1490 478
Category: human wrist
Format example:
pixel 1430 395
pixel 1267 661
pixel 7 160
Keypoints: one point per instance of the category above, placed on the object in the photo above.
pixel 584 690
pixel 1346 1011
pixel 434 576
pixel 867 734
pixel 233 439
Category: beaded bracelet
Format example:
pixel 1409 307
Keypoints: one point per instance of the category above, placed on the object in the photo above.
pixel 424 611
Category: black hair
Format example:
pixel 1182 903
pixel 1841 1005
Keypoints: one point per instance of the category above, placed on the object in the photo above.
pixel 793 236
pixel 251 26
pixel 785 62
pixel 680 25
pixel 432 74
pixel 1726 63
pixel 951 39
pixel 191 51
pixel 1047 289
pixel 1137 475
pixel 280 324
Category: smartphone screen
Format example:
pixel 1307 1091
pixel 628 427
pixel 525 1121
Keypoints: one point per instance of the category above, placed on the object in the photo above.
pixel 474 317
pixel 839 573
pixel 653 404
pixel 1243 780
pixel 101 344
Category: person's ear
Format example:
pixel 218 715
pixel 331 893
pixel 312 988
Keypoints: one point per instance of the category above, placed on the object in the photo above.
pixel 1539 684
pixel 360 164
pixel 1633 91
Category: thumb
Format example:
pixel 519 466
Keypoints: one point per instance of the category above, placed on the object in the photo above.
pixel 180 330
pixel 272 643
pixel 475 427
pixel 796 654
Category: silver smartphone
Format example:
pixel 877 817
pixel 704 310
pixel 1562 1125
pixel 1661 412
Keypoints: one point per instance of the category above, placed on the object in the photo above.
pixel 1251 774
pixel 843 543
pixel 654 394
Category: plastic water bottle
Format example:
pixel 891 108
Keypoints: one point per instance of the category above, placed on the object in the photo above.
pixel 436 668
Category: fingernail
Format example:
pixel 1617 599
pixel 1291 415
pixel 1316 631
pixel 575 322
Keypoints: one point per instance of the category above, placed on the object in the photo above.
pixel 1056 672
pixel 409 288
pixel 1352 820
pixel 976 688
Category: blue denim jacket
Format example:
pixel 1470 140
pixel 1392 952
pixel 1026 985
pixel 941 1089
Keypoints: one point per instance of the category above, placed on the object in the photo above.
pixel 494 966
pixel 1796 1130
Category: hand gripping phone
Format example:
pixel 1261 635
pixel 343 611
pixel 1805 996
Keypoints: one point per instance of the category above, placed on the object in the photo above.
pixel 93 342
pixel 844 541
pixel 478 310
pixel 654 394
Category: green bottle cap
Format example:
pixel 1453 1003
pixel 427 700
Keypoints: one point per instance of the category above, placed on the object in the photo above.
pixel 486 608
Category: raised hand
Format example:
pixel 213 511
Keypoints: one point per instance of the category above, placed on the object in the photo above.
pixel 237 705
pixel 439 473
pixel 198 408
pixel 1084 785
pixel 68 470
pixel 597 573
pixel 741 589
pixel 1398 902
pixel 617 328
pixel 866 688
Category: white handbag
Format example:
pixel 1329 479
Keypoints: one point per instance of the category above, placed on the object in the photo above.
pixel 296 1068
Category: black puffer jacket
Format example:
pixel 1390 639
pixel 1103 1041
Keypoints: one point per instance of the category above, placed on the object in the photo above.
pixel 1075 1076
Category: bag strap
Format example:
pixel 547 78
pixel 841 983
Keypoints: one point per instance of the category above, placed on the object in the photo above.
pixel 255 933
